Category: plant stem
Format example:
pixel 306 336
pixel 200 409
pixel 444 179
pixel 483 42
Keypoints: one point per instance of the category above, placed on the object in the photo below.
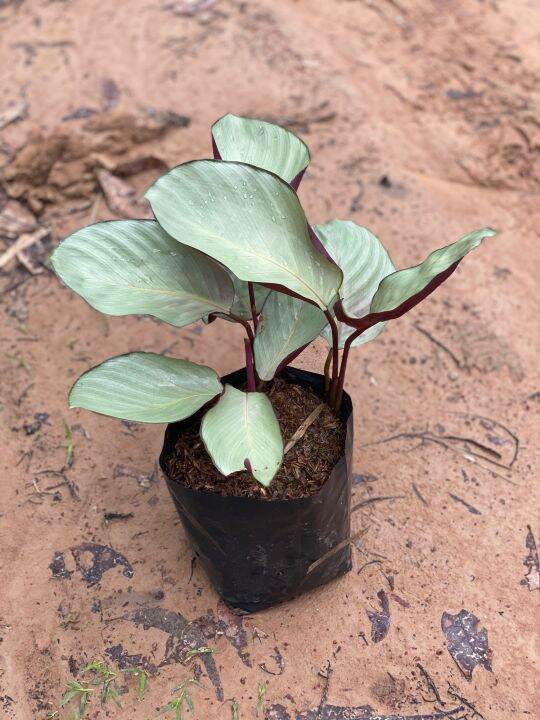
pixel 246 325
pixel 335 353
pixel 327 371
pixel 343 369
pixel 250 370
pixel 253 306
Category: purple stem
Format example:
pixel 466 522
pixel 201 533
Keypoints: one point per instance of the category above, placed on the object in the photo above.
pixel 327 371
pixel 246 325
pixel 335 351
pixel 343 369
pixel 290 357
pixel 253 306
pixel 250 369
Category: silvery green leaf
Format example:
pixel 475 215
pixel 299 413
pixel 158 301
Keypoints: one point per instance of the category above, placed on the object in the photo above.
pixel 401 286
pixel 262 144
pixel 145 387
pixel 402 290
pixel 247 219
pixel 133 266
pixel 286 324
pixel 241 431
pixel 364 262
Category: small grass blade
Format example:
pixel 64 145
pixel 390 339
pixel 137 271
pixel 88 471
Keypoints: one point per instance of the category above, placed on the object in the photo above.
pixel 142 680
pixel 198 651
pixel 261 699
pixel 235 710
pixel 69 444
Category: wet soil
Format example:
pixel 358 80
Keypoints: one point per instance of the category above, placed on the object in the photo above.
pixel 305 468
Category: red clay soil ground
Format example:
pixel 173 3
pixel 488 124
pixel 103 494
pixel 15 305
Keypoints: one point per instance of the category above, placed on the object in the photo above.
pixel 422 118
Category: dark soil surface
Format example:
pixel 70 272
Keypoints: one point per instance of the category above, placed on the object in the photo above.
pixel 305 468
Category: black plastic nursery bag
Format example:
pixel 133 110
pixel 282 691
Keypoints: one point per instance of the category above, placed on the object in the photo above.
pixel 258 553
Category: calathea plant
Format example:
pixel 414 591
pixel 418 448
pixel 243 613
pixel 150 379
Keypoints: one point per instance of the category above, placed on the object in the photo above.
pixel 231 241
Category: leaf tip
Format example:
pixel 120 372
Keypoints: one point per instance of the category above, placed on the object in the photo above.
pixel 71 401
pixel 55 260
pixel 265 482
pixel 150 191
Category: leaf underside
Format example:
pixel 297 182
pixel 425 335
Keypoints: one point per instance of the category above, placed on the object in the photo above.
pixel 145 387
pixel 262 144
pixel 401 291
pixel 286 325
pixel 124 267
pixel 365 262
pixel 249 220
pixel 242 432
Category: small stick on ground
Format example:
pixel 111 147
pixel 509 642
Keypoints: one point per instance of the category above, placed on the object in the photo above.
pixel 326 674
pixel 469 455
pixel 439 344
pixel 431 684
pixel 469 507
pixel 24 241
pixel 371 501
pixel 419 495
pixel 371 562
pixel 452 691
pixel 514 437
pixel 337 548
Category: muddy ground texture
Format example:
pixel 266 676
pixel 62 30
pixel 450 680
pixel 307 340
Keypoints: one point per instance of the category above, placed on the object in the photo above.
pixel 423 124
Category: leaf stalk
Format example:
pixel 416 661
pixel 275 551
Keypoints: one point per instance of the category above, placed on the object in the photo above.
pixel 335 354
pixel 250 367
pixel 343 369
pixel 245 323
pixel 253 306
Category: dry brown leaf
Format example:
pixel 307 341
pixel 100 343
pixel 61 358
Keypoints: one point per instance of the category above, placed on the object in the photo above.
pixel 532 578
pixel 16 219
pixel 121 197
pixel 467 645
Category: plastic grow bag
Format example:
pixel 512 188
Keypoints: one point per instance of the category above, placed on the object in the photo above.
pixel 258 553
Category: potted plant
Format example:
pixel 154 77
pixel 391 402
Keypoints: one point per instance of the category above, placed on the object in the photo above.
pixel 259 462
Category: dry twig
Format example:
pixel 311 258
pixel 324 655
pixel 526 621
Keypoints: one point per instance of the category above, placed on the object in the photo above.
pixel 303 428
pixel 25 240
